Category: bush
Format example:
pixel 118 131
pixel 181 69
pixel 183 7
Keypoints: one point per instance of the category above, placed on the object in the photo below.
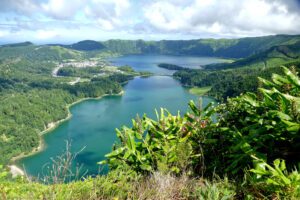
pixel 253 127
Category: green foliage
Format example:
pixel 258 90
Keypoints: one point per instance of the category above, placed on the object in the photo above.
pixel 86 45
pixel 162 145
pixel 250 132
pixel 24 115
pixel 230 48
pixel 226 83
pixel 276 55
pixel 276 178
pixel 200 91
pixel 121 185
pixel 115 185
pixel 31 98
pixel 3 174
pixel 126 69
pixel 95 88
pixel 256 133
pixel 249 122
pixel 217 189
pixel 170 66
pixel 87 72
pixel 150 145
pixel 38 53
pixel 232 79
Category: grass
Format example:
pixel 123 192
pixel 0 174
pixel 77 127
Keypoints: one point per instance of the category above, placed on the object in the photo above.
pixel 119 186
pixel 200 91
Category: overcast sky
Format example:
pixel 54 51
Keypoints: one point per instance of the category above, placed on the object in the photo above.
pixel 66 21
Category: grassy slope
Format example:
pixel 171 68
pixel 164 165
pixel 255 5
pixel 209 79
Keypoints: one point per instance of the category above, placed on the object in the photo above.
pixel 200 91
pixel 275 55
pixel 31 98
pixel 122 185
pixel 231 79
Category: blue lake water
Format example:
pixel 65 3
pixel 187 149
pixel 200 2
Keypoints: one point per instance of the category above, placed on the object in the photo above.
pixel 93 122
pixel 150 62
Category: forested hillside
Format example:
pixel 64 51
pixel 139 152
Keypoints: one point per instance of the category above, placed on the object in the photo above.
pixel 240 76
pixel 275 55
pixel 31 98
pixel 230 48
pixel 26 76
pixel 196 155
pixel 246 147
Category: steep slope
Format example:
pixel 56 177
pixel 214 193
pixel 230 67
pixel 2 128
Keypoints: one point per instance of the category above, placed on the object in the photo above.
pixel 18 44
pixel 233 48
pixel 87 45
pixel 38 52
pixel 276 55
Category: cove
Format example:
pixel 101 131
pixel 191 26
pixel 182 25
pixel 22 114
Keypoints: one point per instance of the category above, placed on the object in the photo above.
pixel 93 122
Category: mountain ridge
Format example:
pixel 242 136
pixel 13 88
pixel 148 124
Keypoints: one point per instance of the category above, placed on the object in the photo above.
pixel 229 48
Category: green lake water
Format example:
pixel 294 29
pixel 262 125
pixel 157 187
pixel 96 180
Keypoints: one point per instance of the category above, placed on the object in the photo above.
pixel 93 122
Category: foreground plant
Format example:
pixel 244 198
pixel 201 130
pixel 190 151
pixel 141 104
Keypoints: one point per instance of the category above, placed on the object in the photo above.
pixel 275 178
pixel 262 127
pixel 151 145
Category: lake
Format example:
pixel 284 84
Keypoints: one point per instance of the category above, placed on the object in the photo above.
pixel 150 62
pixel 93 122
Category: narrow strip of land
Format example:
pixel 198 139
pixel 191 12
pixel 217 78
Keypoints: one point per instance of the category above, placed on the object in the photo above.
pixel 200 91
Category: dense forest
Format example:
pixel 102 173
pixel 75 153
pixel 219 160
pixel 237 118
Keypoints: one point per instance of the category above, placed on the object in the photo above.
pixel 230 48
pixel 240 76
pixel 170 66
pixel 31 98
pixel 228 83
pixel 196 156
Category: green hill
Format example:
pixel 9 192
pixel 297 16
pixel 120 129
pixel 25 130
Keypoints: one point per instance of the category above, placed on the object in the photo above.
pixel 275 55
pixel 31 97
pixel 244 148
pixel 87 45
pixel 18 44
pixel 250 151
pixel 230 48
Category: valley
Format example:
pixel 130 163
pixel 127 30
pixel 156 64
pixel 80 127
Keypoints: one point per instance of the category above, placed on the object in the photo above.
pixel 92 125
pixel 79 94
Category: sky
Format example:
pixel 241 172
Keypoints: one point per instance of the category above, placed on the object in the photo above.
pixel 67 21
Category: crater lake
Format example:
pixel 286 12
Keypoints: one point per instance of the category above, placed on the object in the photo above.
pixel 91 129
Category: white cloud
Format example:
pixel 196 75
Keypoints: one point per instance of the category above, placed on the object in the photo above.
pixel 62 9
pixel 251 17
pixel 108 14
pixel 46 34
pixel 23 7
pixel 165 19
pixel 3 33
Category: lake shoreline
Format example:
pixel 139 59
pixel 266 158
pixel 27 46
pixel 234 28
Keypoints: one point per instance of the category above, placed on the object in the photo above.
pixel 42 146
pixel 15 169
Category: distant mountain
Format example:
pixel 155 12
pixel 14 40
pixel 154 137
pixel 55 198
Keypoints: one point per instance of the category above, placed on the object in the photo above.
pixel 85 45
pixel 230 48
pixel 274 55
pixel 22 44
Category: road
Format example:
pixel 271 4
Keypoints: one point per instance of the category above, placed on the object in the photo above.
pixel 55 71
